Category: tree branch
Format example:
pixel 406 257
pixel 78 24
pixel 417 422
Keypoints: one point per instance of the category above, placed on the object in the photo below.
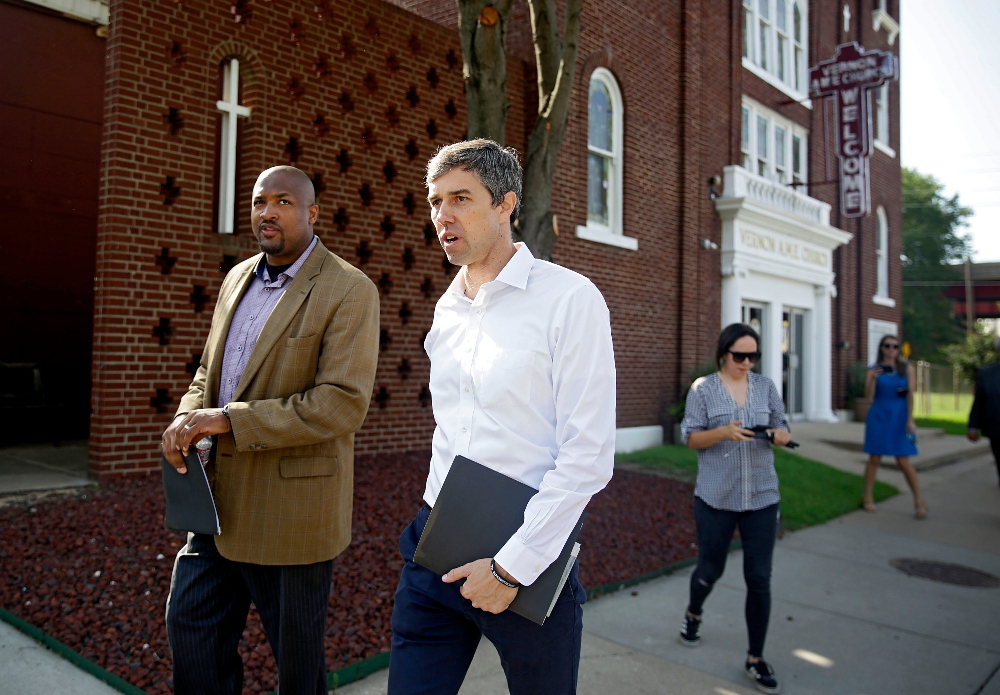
pixel 558 107
pixel 547 46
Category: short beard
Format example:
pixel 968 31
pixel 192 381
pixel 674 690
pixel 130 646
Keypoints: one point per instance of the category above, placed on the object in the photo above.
pixel 276 247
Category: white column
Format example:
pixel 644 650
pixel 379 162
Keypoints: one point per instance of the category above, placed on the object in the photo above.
pixel 732 297
pixel 822 396
pixel 774 332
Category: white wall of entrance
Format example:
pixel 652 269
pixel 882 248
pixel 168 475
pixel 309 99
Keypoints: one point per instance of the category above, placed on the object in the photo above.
pixel 777 270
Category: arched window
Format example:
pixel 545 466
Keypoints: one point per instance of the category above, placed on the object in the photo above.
pixel 605 115
pixel 231 113
pixel 882 253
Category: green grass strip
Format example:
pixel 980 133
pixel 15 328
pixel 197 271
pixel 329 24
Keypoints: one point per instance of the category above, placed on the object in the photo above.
pixel 811 492
pixel 357 670
pixel 952 424
pixel 71 656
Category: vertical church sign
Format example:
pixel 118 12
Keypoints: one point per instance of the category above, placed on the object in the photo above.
pixel 849 77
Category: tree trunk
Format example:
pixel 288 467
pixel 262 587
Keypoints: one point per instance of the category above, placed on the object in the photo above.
pixel 482 26
pixel 556 66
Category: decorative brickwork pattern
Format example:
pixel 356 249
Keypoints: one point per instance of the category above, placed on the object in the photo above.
pixel 158 261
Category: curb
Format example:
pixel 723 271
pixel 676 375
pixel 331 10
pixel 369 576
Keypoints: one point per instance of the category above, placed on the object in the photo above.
pixel 71 656
pixel 356 671
pixel 941 460
pixel 336 679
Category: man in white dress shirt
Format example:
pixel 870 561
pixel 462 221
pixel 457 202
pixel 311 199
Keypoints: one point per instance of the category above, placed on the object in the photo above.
pixel 523 381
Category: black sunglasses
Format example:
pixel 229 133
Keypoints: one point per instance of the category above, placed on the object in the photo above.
pixel 743 356
pixel 890 346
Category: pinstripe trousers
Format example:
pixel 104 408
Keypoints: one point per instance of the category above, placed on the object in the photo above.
pixel 207 612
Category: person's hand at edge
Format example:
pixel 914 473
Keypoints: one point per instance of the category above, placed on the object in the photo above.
pixel 781 437
pixel 189 428
pixel 481 587
pixel 734 433
pixel 973 435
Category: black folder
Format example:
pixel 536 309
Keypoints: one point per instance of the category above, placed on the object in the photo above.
pixel 190 505
pixel 475 514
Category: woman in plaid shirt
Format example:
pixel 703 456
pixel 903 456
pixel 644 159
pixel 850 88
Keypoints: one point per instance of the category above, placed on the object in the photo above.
pixel 737 485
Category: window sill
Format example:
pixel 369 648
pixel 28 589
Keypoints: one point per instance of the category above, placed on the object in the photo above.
pixel 879 145
pixel 604 236
pixel 883 301
pixel 883 20
pixel 772 80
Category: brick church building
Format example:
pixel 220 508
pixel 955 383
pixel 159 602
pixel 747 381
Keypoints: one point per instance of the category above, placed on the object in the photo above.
pixel 697 185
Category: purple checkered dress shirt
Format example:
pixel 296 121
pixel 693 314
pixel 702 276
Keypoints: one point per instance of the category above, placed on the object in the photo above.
pixel 252 312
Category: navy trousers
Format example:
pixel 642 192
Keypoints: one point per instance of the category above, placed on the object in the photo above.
pixel 207 611
pixel 758 530
pixel 435 632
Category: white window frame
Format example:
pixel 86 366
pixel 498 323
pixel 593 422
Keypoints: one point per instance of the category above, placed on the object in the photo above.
pixel 800 68
pixel 761 57
pixel 881 296
pixel 745 121
pixel 881 19
pixel 232 110
pixel 784 66
pixel 613 233
pixel 880 96
pixel 785 172
pixel 799 172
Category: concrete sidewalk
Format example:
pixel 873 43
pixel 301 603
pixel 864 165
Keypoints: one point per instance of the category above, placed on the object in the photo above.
pixel 43 467
pixel 28 668
pixel 843 621
pixel 841 444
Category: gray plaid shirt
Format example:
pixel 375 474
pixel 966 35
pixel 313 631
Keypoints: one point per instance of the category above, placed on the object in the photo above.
pixel 735 476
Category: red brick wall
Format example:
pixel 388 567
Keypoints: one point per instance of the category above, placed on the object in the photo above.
pixel 679 69
pixel 664 299
pixel 132 370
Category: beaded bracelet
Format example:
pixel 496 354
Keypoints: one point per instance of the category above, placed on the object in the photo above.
pixel 493 569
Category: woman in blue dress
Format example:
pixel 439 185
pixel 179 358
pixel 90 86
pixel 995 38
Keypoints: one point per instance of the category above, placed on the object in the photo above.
pixel 889 427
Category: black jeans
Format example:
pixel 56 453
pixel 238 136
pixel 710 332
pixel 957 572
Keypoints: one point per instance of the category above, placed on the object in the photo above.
pixel 758 529
pixel 995 445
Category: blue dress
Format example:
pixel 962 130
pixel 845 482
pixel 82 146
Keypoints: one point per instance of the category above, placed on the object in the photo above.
pixel 885 426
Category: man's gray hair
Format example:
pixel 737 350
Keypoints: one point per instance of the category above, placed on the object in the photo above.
pixel 496 167
pixel 996 343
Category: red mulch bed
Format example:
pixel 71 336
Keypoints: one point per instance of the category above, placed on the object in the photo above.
pixel 92 569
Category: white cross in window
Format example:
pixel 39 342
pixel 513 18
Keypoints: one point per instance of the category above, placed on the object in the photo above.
pixel 847 18
pixel 231 110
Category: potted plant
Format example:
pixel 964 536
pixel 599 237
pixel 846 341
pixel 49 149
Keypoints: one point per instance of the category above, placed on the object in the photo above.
pixel 676 410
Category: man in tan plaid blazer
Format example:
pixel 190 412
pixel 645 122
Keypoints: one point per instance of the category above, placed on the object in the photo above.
pixel 285 380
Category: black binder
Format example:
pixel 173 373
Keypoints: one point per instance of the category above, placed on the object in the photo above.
pixel 476 513
pixel 190 505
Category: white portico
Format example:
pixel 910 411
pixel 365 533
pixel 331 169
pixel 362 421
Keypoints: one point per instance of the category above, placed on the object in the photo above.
pixel 777 275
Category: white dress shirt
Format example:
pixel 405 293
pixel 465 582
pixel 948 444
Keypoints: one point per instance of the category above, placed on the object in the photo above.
pixel 523 381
